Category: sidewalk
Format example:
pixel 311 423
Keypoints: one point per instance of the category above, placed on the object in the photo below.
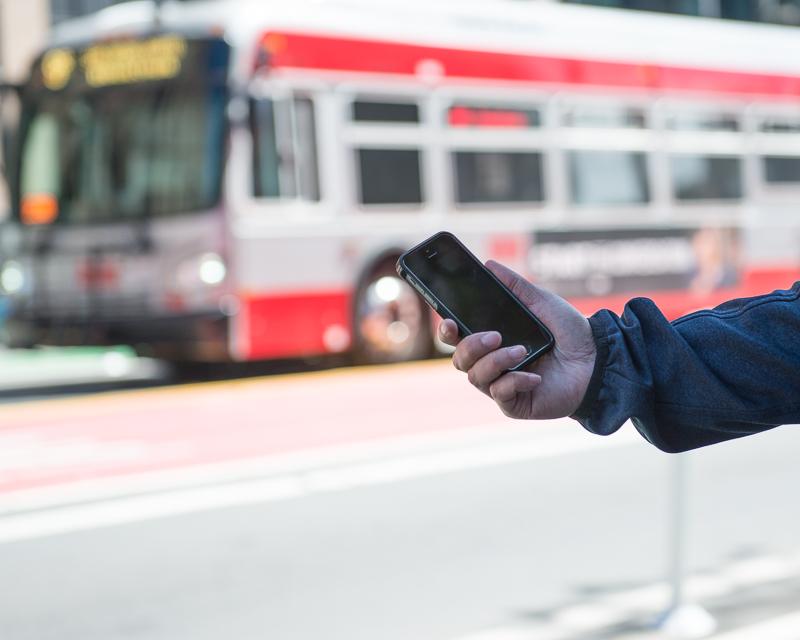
pixel 755 598
pixel 767 609
pixel 43 368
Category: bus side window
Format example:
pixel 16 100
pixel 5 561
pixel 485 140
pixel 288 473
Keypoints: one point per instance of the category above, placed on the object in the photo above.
pixel 608 177
pixel 606 150
pixel 782 170
pixel 779 139
pixel 498 176
pixel 495 153
pixel 284 149
pixel 389 176
pixel 388 173
pixel 698 175
pixel 705 177
pixel 376 111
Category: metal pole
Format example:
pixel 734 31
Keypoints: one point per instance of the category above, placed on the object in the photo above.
pixel 682 619
pixel 157 14
pixel 678 533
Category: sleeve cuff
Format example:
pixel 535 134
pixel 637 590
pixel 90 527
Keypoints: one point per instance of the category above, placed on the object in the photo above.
pixel 584 410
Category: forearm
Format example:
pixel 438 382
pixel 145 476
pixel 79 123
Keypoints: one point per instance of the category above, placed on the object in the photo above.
pixel 707 377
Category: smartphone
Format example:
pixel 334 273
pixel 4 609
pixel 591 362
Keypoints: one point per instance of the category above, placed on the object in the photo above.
pixel 458 286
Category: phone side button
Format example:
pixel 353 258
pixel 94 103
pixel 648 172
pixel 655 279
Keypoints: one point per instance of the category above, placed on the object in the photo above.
pixel 423 293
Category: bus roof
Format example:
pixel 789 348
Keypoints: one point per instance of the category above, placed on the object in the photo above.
pixel 504 26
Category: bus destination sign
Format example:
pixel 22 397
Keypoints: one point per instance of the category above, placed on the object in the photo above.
pixel 115 63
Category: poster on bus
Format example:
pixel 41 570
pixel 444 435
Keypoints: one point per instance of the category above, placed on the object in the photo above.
pixel 601 262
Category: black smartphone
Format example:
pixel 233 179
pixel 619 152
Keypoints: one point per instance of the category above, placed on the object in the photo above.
pixel 459 287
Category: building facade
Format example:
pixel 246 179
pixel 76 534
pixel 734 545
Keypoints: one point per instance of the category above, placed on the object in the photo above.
pixel 23 31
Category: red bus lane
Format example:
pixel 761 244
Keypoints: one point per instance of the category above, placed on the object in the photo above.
pixel 59 442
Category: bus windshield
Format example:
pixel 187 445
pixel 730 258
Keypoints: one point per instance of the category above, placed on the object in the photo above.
pixel 123 150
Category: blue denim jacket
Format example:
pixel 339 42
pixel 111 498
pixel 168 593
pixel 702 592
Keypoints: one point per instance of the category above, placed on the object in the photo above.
pixel 706 377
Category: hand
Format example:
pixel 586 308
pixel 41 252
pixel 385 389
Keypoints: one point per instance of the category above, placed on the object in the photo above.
pixel 555 383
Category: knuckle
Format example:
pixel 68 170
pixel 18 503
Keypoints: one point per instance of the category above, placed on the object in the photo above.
pixel 468 353
pixel 502 360
pixel 500 390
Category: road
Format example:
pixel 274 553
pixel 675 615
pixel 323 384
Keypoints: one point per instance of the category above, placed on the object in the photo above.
pixel 381 503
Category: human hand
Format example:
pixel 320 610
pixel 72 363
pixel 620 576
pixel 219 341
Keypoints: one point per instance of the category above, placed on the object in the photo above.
pixel 554 385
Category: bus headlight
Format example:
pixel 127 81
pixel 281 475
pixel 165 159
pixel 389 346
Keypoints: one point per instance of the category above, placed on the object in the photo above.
pixel 12 277
pixel 212 269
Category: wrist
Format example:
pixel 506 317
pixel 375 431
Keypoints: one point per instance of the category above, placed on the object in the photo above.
pixel 595 369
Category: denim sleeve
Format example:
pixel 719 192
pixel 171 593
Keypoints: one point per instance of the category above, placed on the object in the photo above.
pixel 707 377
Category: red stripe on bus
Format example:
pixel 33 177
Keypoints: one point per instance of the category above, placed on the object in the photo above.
pixel 305 51
pixel 674 304
pixel 294 324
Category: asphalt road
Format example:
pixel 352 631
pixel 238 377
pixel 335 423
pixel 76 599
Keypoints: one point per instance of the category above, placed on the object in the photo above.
pixel 436 554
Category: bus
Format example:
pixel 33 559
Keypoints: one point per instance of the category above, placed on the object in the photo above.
pixel 232 180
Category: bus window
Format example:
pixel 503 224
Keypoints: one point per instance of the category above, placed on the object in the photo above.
pixel 375 111
pixel 139 150
pixel 493 176
pixel 266 162
pixel 389 176
pixel 780 124
pixel 781 169
pixel 489 117
pixel 604 116
pixel 702 121
pixel 305 140
pixel 697 177
pixel 608 177
pixel 117 145
pixel 284 149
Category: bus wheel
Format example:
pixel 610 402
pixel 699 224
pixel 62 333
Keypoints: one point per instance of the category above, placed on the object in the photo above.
pixel 392 323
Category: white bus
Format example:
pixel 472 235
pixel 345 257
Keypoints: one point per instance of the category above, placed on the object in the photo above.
pixel 234 180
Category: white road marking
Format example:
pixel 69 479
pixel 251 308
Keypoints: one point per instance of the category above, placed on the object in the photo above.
pixel 786 627
pixel 64 509
pixel 574 621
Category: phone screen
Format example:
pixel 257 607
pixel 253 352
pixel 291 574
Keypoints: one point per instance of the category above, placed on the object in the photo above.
pixel 472 295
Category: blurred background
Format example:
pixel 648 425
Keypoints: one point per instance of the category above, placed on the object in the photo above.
pixel 223 415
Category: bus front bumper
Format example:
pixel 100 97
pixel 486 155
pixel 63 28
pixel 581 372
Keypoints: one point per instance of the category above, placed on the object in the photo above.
pixel 192 337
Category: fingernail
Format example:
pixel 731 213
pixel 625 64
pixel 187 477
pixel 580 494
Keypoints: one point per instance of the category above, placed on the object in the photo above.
pixel 517 352
pixel 491 339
